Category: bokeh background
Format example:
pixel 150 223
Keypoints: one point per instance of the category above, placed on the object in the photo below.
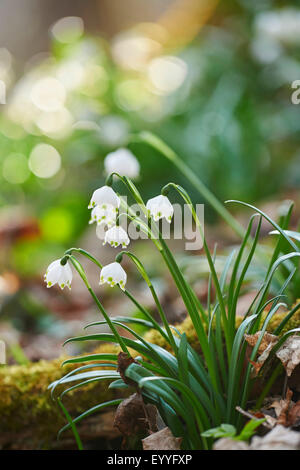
pixel 212 78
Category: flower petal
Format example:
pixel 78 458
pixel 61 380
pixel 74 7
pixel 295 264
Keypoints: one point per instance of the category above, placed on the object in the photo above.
pixel 159 207
pixel 123 162
pixel 113 274
pixel 59 274
pixel 116 236
pixel 104 196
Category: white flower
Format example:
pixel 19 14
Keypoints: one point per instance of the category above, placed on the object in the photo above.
pixel 116 236
pixel 159 207
pixel 123 162
pixel 106 216
pixel 103 197
pixel 59 274
pixel 282 25
pixel 113 274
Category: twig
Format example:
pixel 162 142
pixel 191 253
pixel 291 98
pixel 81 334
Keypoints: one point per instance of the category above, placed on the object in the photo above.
pixel 251 416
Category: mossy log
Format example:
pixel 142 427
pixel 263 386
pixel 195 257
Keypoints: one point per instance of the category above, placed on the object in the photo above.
pixel 187 327
pixel 30 419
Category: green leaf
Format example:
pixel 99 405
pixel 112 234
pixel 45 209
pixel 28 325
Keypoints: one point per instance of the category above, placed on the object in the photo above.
pixel 82 384
pixel 108 374
pixel 136 321
pixel 71 424
pixel 225 430
pixel 90 411
pixel 183 360
pixel 276 226
pixel 53 385
pixel 289 233
pixel 118 384
pixel 170 362
pixel 249 429
pixel 91 357
pixel 236 359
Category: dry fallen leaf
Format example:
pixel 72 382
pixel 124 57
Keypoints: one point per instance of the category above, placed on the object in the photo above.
pixel 280 438
pixel 294 415
pixel 124 361
pixel 162 440
pixel 264 349
pixel 281 408
pixel 226 443
pixel 282 417
pixel 267 339
pixel 134 418
pixel 286 412
pixel 289 353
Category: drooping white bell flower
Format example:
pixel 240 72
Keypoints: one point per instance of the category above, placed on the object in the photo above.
pixel 113 274
pixel 159 207
pixel 103 197
pixel 116 236
pixel 59 274
pixel 106 216
pixel 123 162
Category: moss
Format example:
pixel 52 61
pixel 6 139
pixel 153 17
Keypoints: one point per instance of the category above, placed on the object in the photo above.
pixel 25 401
pixel 187 327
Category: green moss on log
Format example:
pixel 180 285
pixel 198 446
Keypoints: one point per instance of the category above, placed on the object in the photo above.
pixel 187 327
pixel 26 404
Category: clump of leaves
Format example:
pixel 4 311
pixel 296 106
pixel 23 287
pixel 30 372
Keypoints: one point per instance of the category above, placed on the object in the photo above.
pixel 193 392
pixel 228 430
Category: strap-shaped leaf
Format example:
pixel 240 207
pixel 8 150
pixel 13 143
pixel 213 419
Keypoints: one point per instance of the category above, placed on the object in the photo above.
pixel 90 411
pixel 118 384
pixel 91 357
pixel 88 375
pixel 82 384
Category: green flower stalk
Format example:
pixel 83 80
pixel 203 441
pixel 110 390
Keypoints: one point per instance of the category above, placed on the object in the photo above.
pixel 159 145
